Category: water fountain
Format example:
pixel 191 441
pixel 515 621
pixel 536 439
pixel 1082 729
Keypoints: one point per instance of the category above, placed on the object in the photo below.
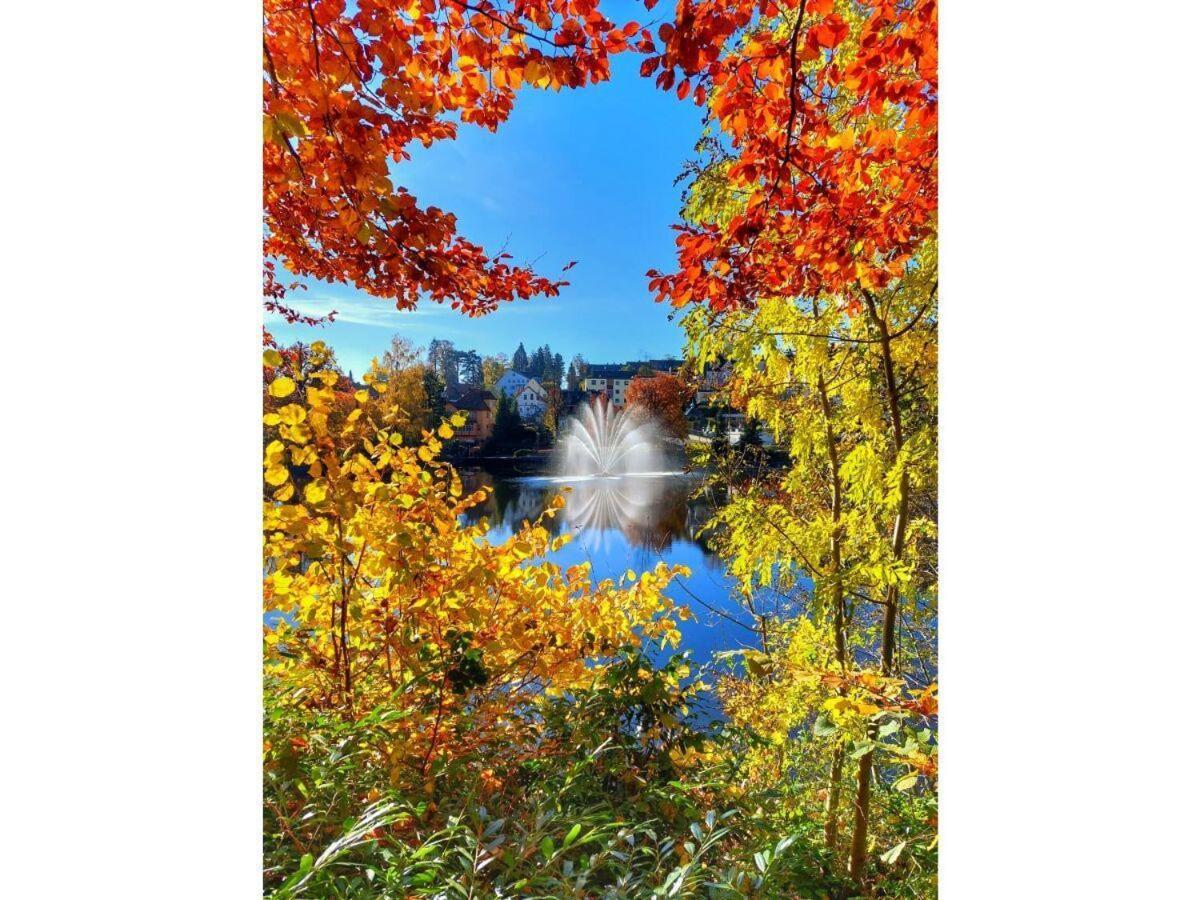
pixel 612 462
pixel 604 441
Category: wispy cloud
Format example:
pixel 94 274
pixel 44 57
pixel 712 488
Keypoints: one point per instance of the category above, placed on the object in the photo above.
pixel 361 309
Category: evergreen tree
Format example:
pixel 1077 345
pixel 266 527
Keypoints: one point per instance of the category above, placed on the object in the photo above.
pixel 508 429
pixel 470 368
pixel 520 360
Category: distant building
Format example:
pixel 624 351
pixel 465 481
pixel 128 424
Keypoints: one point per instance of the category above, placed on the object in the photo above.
pixel 709 412
pixel 510 383
pixel 663 366
pixel 531 400
pixel 480 407
pixel 612 380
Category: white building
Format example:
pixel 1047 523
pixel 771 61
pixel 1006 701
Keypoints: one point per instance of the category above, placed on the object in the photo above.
pixel 531 400
pixel 611 381
pixel 510 383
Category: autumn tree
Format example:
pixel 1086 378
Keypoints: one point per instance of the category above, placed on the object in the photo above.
pixel 402 384
pixel 808 258
pixel 554 409
pixel 348 90
pixel 494 366
pixel 661 397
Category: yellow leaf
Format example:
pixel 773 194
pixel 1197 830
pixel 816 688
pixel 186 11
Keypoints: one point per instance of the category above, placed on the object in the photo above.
pixel 537 73
pixel 272 358
pixel 282 386
pixel 284 493
pixel 445 431
pixel 315 492
pixel 843 141
pixel 362 396
pixel 292 414
pixel 276 475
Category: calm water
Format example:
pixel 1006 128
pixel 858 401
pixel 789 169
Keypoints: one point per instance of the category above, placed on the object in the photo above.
pixel 629 522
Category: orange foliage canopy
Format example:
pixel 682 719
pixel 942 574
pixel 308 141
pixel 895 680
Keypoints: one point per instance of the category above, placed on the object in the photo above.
pixel 346 92
pixel 663 397
pixel 829 114
pixel 827 111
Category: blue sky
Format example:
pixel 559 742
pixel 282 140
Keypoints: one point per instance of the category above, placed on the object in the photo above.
pixel 581 175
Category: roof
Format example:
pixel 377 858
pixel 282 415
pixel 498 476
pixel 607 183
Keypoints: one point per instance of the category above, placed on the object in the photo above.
pixel 466 397
pixel 662 365
pixel 610 370
pixel 629 369
pixel 533 387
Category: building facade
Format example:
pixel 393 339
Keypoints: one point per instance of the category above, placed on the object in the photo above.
pixel 531 400
pixel 510 383
pixel 612 380
pixel 480 407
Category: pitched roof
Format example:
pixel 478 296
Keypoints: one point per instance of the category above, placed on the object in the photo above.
pixel 467 397
pixel 629 369
pixel 610 370
pixel 533 387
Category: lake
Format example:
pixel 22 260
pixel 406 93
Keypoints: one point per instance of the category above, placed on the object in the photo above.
pixel 629 522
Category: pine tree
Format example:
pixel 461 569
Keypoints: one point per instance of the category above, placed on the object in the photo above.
pixel 520 359
pixel 508 428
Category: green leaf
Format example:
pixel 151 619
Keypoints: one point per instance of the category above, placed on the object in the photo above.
pixel 547 848
pixel 905 783
pixel 892 855
pixel 571 835
pixel 861 749
pixel 824 727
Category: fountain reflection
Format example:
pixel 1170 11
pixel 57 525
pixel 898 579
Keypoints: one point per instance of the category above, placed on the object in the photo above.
pixel 648 511
pixel 616 474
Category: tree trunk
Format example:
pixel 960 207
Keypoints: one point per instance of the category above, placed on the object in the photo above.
pixel 833 796
pixel 862 797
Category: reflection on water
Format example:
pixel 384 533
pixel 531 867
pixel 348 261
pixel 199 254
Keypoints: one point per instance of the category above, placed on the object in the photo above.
pixel 628 522
pixel 649 511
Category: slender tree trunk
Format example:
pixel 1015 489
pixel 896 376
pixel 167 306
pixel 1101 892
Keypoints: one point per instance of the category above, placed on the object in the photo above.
pixel 862 798
pixel 833 795
pixel 343 636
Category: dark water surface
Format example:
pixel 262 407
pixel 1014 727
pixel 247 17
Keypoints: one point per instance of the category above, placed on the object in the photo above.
pixel 629 522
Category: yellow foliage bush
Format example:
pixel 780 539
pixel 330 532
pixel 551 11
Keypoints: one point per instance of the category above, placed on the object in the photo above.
pixel 377 594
